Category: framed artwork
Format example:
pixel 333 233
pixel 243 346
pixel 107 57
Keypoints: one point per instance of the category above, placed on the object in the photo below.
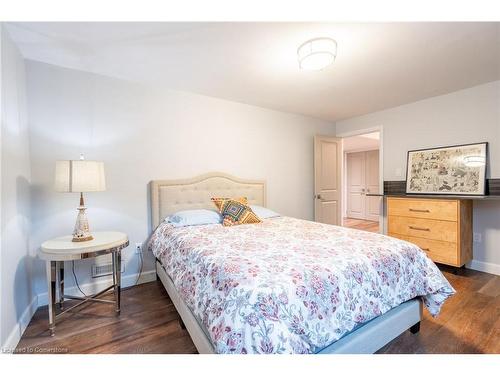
pixel 459 170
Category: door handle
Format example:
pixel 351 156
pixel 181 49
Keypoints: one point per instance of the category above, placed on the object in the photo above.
pixel 318 196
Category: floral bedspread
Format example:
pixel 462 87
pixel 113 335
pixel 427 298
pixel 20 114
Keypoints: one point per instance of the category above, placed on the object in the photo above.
pixel 292 286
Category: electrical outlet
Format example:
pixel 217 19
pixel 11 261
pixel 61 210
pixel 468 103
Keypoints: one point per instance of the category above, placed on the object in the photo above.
pixel 138 247
pixel 477 237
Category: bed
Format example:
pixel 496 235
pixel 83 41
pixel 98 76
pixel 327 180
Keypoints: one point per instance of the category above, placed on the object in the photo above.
pixel 285 285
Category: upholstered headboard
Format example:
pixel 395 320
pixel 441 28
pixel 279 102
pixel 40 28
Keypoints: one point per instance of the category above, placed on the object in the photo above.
pixel 170 196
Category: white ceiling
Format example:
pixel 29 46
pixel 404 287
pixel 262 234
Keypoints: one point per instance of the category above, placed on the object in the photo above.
pixel 369 141
pixel 379 65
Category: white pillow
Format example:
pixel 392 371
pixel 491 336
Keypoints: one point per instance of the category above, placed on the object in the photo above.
pixel 262 212
pixel 194 217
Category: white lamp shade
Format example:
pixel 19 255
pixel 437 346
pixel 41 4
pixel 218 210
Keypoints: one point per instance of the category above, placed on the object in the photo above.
pixel 79 176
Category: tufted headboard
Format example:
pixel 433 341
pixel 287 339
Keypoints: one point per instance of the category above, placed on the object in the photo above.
pixel 169 196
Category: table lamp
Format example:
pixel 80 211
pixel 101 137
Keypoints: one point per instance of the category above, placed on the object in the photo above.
pixel 80 176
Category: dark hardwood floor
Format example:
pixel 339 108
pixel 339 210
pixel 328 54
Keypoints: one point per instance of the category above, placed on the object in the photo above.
pixel 468 323
pixel 148 324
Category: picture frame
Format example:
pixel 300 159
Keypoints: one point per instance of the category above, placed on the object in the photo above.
pixel 448 170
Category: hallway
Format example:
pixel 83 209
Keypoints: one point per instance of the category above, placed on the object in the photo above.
pixel 367 225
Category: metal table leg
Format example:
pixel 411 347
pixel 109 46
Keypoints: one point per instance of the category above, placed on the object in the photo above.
pixel 61 284
pixel 117 261
pixel 51 281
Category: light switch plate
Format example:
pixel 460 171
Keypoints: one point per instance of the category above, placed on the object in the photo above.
pixel 477 237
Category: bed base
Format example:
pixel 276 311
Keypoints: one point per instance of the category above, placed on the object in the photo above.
pixel 365 340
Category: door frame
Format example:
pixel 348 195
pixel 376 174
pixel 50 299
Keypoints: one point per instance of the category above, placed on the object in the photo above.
pixel 376 128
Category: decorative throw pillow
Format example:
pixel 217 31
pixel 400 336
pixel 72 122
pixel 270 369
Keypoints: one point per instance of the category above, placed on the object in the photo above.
pixel 219 202
pixel 235 212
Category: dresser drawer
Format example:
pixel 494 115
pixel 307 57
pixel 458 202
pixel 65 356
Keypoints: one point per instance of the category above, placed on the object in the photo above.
pixel 439 251
pixel 424 208
pixel 424 228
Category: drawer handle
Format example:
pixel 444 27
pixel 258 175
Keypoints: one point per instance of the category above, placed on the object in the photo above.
pixel 417 210
pixel 418 228
pixel 425 248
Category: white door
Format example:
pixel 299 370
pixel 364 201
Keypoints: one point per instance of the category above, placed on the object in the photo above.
pixel 355 176
pixel 372 204
pixel 363 178
pixel 327 180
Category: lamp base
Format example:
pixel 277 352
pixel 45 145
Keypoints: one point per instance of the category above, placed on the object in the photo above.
pixel 78 239
pixel 81 232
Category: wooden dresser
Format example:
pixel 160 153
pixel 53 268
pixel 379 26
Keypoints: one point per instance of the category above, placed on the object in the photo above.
pixel 440 227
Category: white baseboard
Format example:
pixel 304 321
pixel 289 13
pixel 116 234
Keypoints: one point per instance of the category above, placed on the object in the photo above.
pixel 477 265
pixel 101 283
pixel 15 335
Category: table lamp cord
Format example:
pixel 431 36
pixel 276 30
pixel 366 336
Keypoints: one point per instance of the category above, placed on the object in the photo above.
pixel 76 279
pixel 136 281
pixel 140 268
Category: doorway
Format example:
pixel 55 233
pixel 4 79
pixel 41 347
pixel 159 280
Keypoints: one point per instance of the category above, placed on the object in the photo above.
pixel 327 179
pixel 361 177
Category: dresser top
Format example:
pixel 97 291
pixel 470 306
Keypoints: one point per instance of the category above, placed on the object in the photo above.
pixel 437 196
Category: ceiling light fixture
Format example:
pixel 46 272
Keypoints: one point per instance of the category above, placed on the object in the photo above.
pixel 317 53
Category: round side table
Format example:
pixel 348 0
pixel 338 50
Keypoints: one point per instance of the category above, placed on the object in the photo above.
pixel 58 250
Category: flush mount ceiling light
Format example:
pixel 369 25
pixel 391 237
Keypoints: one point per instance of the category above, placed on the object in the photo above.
pixel 317 53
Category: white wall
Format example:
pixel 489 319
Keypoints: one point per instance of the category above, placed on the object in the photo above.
pixel 143 134
pixel 18 301
pixel 466 116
